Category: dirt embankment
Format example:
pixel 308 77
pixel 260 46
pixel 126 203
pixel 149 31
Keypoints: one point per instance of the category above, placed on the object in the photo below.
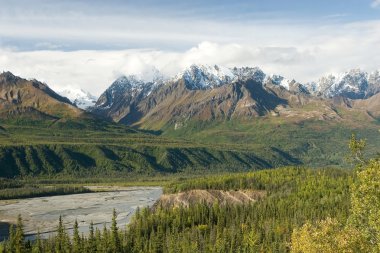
pixel 209 197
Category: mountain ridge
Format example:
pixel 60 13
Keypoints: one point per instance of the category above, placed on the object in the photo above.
pixel 208 92
pixel 19 96
pixel 354 84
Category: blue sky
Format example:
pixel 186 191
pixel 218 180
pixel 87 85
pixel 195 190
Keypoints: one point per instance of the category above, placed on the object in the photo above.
pixel 300 39
pixel 104 25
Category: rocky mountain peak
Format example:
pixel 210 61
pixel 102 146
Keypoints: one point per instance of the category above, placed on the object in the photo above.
pixel 130 87
pixel 8 77
pixel 354 84
pixel 203 77
pixel 248 73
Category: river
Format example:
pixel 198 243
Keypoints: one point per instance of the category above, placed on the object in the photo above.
pixel 42 214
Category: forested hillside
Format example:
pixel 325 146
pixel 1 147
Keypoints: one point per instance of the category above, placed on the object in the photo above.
pixel 116 149
pixel 87 148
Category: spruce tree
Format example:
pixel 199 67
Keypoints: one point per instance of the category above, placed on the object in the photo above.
pixel 19 236
pixel 91 242
pixel 115 240
pixel 77 248
pixel 62 240
pixel 105 240
pixel 10 247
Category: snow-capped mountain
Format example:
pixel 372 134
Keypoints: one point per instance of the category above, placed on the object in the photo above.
pixel 279 80
pixel 204 92
pixel 354 84
pixel 128 88
pixel 129 98
pixel 79 97
pixel 205 77
pixel 245 73
pixel 202 77
pixel 290 85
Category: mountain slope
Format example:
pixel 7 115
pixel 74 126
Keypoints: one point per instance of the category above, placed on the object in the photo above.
pixel 118 102
pixel 370 105
pixel 24 98
pixel 175 103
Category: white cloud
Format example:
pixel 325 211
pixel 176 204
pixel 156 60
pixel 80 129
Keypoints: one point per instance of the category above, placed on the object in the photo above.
pixel 375 3
pixel 328 49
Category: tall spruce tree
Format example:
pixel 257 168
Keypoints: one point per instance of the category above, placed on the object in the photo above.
pixel 62 240
pixel 19 236
pixel 10 246
pixel 115 239
pixel 77 243
pixel 91 241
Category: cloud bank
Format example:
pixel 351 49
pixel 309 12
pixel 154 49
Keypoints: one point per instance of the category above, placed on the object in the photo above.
pixel 299 53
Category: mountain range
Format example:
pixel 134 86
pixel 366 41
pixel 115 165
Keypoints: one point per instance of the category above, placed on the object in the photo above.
pixel 215 92
pixel 200 93
pixel 212 118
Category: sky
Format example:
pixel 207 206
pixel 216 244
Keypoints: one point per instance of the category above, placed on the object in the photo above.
pixel 88 44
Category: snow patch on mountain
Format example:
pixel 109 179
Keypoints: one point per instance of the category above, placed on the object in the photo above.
pixel 279 80
pixel 82 99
